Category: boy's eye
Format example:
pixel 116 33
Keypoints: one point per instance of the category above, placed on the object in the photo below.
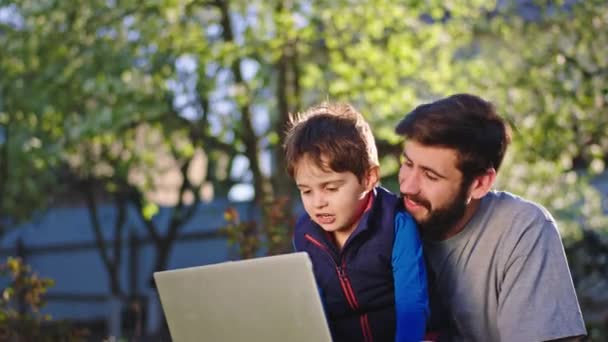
pixel 332 189
pixel 304 192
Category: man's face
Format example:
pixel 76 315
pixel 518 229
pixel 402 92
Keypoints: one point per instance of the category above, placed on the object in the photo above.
pixel 433 189
pixel 333 200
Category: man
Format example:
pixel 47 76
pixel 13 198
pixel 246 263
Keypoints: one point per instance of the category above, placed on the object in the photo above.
pixel 496 261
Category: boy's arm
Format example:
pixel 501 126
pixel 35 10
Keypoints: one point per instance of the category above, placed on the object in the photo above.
pixel 411 295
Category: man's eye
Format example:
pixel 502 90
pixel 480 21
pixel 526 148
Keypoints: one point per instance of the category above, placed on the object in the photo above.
pixel 431 176
pixel 305 192
pixel 332 189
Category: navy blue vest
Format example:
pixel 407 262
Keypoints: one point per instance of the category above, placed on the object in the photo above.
pixel 357 282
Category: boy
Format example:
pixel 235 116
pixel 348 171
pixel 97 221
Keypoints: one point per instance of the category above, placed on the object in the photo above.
pixel 371 292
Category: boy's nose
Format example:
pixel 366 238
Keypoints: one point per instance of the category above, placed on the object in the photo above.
pixel 319 201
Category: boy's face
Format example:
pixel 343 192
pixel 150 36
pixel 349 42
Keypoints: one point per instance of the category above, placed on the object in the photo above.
pixel 333 200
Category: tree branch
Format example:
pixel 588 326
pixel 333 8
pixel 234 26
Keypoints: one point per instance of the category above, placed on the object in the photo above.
pixel 262 188
pixel 89 194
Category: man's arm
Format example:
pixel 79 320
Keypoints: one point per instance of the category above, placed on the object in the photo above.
pixel 411 297
pixel 537 300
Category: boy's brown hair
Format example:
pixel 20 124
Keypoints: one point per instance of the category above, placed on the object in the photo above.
pixel 334 136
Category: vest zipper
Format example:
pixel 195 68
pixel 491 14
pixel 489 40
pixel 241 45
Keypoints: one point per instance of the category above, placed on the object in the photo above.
pixel 347 288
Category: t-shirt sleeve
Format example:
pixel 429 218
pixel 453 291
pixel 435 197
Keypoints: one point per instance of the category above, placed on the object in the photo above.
pixel 411 295
pixel 537 300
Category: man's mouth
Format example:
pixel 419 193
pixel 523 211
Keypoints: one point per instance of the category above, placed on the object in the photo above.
pixel 412 204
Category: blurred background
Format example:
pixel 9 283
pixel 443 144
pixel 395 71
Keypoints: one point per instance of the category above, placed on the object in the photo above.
pixel 138 136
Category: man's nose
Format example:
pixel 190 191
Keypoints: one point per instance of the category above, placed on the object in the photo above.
pixel 408 181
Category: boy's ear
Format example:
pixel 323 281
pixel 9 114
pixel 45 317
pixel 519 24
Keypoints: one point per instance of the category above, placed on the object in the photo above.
pixel 372 177
pixel 482 184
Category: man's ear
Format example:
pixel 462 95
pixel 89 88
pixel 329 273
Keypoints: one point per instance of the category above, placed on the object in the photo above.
pixel 482 184
pixel 372 178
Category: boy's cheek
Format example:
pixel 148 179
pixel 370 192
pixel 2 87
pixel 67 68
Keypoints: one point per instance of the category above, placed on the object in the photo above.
pixel 305 203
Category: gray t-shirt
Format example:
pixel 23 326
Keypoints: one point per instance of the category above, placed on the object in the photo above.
pixel 504 277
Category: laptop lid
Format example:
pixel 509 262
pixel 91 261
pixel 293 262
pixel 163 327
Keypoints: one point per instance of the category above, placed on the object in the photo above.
pixel 264 299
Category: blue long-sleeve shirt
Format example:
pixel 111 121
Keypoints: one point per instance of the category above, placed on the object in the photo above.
pixel 409 273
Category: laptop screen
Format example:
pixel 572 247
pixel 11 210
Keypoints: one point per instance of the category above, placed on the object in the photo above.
pixel 264 299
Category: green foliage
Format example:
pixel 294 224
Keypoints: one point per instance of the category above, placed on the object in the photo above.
pixel 241 233
pixel 22 299
pixel 68 77
pixel 548 77
pixel 271 236
pixel 25 286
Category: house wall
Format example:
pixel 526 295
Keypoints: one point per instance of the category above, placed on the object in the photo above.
pixel 59 244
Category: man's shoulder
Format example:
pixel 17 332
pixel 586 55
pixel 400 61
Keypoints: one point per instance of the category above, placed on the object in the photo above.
pixel 520 216
pixel 506 203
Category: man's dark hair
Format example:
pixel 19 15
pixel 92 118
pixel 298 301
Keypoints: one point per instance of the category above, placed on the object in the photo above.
pixel 465 123
pixel 334 136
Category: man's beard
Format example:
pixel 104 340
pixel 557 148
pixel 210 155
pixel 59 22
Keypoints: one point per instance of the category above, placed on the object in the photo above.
pixel 441 220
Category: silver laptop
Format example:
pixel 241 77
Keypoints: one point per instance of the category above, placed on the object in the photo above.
pixel 265 299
